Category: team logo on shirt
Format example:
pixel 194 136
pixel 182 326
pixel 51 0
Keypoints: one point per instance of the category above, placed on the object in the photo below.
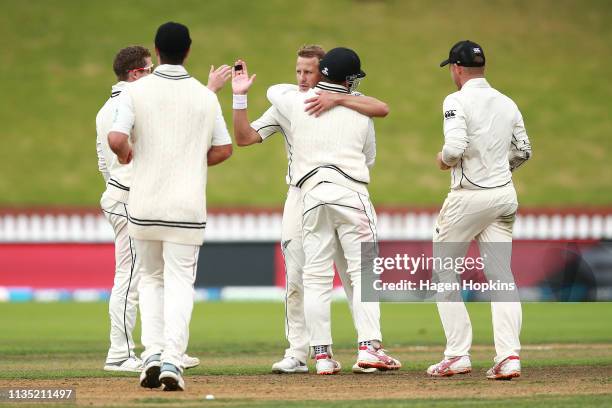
pixel 449 114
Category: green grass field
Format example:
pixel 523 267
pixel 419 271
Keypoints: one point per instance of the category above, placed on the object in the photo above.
pixel 65 344
pixel 550 56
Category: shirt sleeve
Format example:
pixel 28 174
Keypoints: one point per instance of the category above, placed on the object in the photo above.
pixel 123 121
pixel 520 147
pixel 268 123
pixel 282 97
pixel 102 165
pixel 369 149
pixel 220 134
pixel 455 130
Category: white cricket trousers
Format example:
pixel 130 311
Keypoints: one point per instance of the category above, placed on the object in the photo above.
pixel 488 217
pixel 167 274
pixel 336 217
pixel 293 253
pixel 123 303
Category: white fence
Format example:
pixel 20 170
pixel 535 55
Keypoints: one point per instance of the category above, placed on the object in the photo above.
pixel 265 227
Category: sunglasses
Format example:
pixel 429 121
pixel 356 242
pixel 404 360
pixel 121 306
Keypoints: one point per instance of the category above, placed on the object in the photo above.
pixel 148 69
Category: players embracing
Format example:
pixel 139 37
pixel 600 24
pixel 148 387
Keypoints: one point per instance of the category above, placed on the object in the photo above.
pixel 330 143
pixel 328 215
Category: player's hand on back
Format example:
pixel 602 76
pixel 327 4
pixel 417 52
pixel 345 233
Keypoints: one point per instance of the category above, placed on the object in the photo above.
pixel 218 77
pixel 321 103
pixel 240 78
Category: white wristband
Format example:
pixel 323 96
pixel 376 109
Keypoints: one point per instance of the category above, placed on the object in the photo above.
pixel 239 101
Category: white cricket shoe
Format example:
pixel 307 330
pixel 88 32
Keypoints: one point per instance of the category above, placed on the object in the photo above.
pixel 131 365
pixel 327 366
pixel 360 370
pixel 451 366
pixel 506 369
pixel 371 357
pixel 171 378
pixel 289 365
pixel 190 362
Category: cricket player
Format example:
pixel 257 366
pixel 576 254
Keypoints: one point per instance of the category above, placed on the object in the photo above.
pixel 484 141
pixel 332 154
pixel 271 122
pixel 130 64
pixel 172 127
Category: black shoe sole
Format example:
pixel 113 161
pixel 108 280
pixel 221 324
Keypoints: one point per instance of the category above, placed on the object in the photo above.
pixel 170 384
pixel 152 378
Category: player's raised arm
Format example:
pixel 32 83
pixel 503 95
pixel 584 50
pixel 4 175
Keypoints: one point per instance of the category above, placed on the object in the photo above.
pixel 221 145
pixel 218 77
pixel 281 96
pixel 243 132
pixel 366 105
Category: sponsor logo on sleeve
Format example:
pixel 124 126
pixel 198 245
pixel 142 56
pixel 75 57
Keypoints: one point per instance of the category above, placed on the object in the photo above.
pixel 449 114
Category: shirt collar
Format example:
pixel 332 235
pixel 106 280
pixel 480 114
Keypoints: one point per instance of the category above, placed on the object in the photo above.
pixel 171 71
pixel 117 88
pixel 476 83
pixel 326 86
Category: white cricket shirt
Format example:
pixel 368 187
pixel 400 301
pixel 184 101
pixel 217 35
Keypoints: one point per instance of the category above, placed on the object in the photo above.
pixel 173 120
pixel 484 136
pixel 116 175
pixel 272 121
pixel 339 146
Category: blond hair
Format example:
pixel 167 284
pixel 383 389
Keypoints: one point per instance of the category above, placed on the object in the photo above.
pixel 311 51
